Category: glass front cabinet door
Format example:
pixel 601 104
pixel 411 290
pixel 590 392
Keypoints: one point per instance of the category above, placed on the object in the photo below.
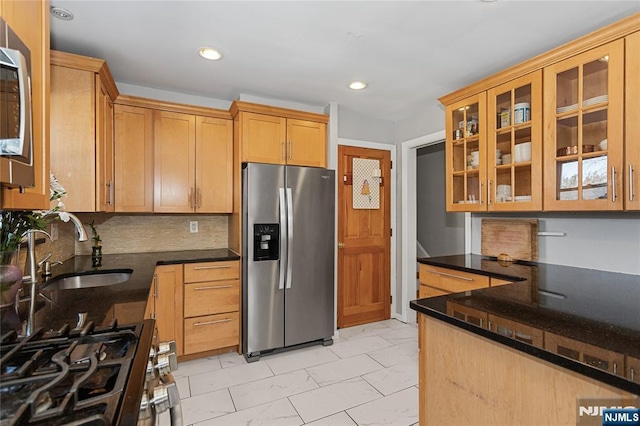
pixel 514 145
pixel 466 154
pixel 583 142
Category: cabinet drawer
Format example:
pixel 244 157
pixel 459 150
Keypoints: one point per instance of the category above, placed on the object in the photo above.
pixel 211 271
pixel 451 280
pixel 211 297
pixel 426 291
pixel 515 330
pixel 592 355
pixel 211 332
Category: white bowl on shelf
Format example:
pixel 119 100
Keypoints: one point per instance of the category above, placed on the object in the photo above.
pixel 522 152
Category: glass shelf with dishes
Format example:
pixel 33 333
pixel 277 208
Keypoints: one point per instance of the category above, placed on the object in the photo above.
pixel 514 171
pixel 586 94
pixel 465 152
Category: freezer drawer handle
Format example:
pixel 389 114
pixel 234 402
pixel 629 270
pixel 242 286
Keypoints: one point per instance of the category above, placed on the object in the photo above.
pixel 198 324
pixel 213 287
pixel 451 276
pixel 197 268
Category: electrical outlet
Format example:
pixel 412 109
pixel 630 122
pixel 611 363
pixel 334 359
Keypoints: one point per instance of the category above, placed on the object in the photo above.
pixel 54 231
pixel 193 226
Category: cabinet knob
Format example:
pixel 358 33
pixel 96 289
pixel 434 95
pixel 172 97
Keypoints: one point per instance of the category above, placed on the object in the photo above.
pixel 341 245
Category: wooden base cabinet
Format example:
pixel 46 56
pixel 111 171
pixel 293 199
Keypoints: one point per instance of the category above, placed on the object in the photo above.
pixel 211 306
pixel 165 303
pixel 466 379
pixel 82 144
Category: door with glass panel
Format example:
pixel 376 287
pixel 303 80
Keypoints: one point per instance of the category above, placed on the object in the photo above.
pixel 514 145
pixel 466 154
pixel 583 133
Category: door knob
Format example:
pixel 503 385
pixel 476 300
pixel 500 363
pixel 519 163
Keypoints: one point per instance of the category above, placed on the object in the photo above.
pixel 340 245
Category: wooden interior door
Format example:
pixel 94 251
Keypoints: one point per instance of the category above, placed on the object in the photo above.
pixel 364 244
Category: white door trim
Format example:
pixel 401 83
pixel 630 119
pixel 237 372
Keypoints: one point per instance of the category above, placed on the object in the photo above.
pixel 392 252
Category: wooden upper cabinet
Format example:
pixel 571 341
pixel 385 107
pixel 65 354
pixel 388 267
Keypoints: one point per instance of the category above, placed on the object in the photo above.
pixel 174 165
pixel 514 145
pixel 214 165
pixel 307 143
pixel 584 123
pixel 133 127
pixel 632 130
pixel 104 149
pixel 275 135
pixel 82 93
pixel 263 138
pixel 466 154
pixel 30 21
pixel 193 163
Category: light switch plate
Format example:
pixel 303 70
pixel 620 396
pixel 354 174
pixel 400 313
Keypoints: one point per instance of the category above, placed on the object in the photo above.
pixel 193 226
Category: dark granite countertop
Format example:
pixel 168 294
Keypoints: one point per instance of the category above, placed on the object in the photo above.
pixel 126 300
pixel 590 310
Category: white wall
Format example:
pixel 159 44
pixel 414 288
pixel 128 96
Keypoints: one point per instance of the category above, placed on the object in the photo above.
pixel 604 241
pixel 355 126
pixel 165 95
pixel 427 119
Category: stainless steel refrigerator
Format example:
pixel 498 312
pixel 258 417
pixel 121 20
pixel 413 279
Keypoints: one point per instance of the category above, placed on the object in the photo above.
pixel 288 218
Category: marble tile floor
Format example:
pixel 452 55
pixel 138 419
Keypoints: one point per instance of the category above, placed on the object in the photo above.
pixel 369 376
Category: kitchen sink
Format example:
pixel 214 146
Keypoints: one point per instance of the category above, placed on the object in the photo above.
pixel 95 279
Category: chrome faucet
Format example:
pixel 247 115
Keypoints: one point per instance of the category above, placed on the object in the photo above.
pixel 33 265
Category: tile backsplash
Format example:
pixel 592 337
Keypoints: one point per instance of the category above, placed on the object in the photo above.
pixel 152 232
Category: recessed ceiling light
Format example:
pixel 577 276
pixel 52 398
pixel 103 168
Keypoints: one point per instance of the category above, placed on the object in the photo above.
pixel 357 85
pixel 61 13
pixel 210 54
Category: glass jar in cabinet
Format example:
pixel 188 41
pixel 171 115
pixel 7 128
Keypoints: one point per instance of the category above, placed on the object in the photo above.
pixel 466 154
pixel 514 145
pixel 583 140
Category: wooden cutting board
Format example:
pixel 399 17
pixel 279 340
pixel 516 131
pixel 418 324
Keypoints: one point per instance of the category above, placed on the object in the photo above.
pixel 510 239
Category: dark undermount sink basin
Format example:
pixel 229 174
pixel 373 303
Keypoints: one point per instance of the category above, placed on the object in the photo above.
pixel 97 279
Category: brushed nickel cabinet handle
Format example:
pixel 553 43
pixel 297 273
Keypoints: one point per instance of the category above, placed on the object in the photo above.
pixel 451 275
pixel 284 150
pixel 614 196
pixel 290 150
pixel 615 367
pixel 197 268
pixel 200 324
pixel 632 374
pixel 630 182
pixel 481 188
pixel 190 197
pixel 213 287
pixel 199 197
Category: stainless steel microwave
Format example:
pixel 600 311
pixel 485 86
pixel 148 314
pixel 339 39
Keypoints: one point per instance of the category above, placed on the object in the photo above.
pixel 16 143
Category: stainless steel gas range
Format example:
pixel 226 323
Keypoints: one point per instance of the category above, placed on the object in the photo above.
pixel 113 375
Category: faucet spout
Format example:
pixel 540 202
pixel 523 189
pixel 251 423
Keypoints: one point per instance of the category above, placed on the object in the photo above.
pixel 82 232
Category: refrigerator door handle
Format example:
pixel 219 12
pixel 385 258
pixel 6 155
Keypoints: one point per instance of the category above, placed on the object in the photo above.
pixel 289 236
pixel 283 221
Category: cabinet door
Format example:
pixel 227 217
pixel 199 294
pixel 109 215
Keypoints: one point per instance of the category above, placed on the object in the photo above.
pixel 133 127
pixel 594 356
pixel 632 112
pixel 263 138
pixel 30 21
pixel 514 145
pixel 174 176
pixel 632 369
pixel 307 143
pixel 214 165
pixel 104 149
pixel 515 330
pixel 168 304
pixel 73 136
pixel 583 141
pixel 466 154
pixel 467 314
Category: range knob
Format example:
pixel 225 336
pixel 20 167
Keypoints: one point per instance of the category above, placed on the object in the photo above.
pixel 165 396
pixel 166 363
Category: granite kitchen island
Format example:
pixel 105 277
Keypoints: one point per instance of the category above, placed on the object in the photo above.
pixel 528 352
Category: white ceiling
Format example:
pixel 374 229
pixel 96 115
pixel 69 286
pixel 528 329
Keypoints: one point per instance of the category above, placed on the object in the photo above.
pixel 410 52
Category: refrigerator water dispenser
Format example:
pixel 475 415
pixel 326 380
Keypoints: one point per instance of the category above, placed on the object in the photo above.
pixel 266 241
